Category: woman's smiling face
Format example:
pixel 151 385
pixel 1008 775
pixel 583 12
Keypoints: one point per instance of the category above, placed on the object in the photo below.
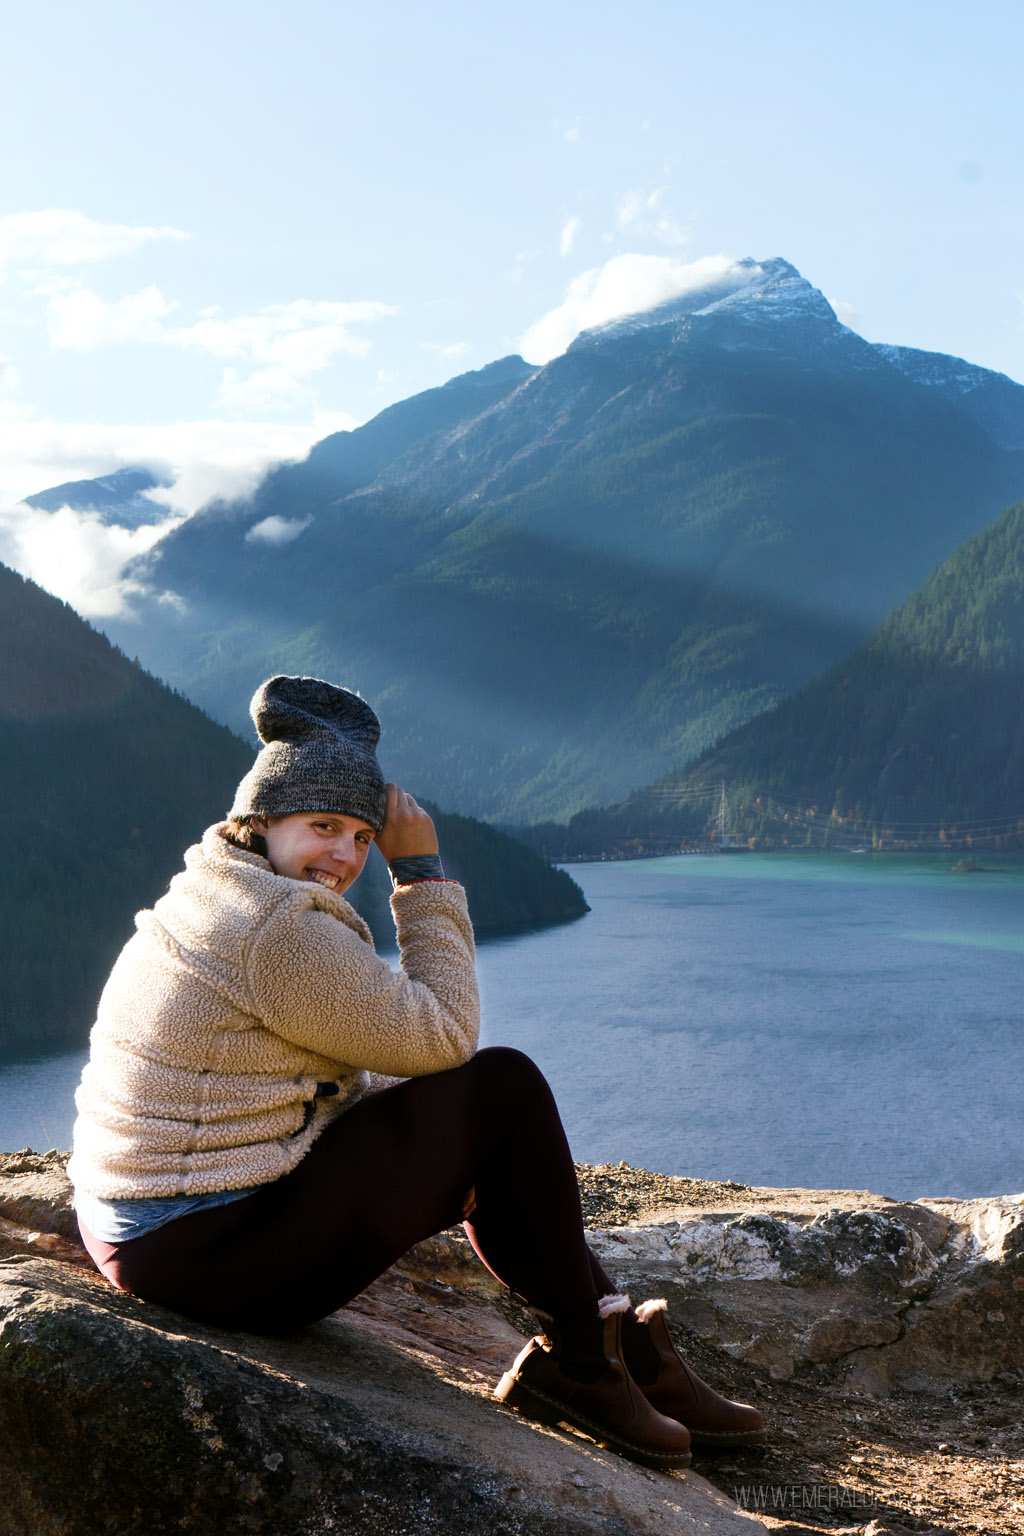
pixel 317 845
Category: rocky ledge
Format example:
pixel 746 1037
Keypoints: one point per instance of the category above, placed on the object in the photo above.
pixel 885 1339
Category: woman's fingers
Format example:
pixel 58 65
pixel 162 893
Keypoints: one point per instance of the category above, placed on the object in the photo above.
pixel 402 799
pixel 408 829
pixel 401 803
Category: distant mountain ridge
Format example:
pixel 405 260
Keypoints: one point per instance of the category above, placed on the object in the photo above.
pixel 559 582
pixel 119 498
pixel 993 400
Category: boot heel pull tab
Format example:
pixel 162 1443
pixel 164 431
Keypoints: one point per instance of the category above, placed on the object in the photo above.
pixel 607 1305
pixel 646 1310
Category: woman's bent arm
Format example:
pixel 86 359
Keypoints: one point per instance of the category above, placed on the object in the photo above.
pixel 318 984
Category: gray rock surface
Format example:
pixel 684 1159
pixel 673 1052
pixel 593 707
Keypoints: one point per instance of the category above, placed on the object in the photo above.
pixel 883 1293
pixel 121 1418
pixel 117 1416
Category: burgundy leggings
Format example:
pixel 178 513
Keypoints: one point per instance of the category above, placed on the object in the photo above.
pixel 392 1170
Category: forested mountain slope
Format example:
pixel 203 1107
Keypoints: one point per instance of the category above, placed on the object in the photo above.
pixel 557 582
pixel 925 723
pixel 915 738
pixel 107 777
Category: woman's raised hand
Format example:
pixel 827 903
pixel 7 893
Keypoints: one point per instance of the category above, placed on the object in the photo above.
pixel 408 831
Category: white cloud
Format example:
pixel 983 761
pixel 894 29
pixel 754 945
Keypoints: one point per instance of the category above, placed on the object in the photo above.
pixel 83 560
pixel 630 208
pixel 76 556
pixel 446 350
pixel 522 261
pixel 644 213
pixel 570 229
pixel 8 378
pixel 82 320
pixel 625 285
pixel 301 336
pixel 204 459
pixel 571 131
pixel 845 312
pixel 282 344
pixel 267 389
pixel 62 237
pixel 277 530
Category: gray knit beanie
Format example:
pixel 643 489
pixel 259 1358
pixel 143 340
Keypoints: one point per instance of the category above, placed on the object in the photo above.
pixel 319 753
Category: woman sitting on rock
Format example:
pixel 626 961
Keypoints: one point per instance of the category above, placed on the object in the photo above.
pixel 271 1115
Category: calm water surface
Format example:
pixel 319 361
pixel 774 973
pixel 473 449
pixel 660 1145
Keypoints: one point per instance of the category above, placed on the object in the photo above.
pixel 841 1021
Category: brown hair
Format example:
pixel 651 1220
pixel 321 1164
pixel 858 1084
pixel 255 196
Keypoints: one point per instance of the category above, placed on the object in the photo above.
pixel 242 834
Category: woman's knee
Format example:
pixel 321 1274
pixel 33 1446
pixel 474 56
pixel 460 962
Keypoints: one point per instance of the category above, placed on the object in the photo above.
pixel 495 1087
pixel 503 1070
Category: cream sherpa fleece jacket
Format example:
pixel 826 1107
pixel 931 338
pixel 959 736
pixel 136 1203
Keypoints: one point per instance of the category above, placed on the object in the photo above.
pixel 241 991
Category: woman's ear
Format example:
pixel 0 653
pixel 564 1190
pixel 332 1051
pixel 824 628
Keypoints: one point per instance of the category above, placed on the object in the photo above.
pixel 258 824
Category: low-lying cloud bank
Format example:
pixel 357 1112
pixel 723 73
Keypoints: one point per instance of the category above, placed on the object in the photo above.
pixel 82 559
pixel 78 557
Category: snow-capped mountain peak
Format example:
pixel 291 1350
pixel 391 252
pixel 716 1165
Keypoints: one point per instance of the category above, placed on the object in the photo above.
pixel 747 291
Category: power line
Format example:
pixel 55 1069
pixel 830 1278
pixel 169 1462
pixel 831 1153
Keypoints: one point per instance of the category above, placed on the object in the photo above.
pixel 766 806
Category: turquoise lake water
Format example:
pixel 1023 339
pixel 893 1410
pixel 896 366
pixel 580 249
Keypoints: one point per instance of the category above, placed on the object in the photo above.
pixel 829 1020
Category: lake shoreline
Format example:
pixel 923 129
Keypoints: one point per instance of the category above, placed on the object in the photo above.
pixel 1009 855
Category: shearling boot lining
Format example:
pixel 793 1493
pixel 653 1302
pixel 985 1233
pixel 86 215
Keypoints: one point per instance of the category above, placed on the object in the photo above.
pixel 609 1304
pixel 647 1309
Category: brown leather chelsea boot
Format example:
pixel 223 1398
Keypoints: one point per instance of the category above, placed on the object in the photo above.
pixel 673 1389
pixel 605 1404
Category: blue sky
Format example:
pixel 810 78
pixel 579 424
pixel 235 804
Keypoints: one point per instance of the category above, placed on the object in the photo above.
pixel 226 228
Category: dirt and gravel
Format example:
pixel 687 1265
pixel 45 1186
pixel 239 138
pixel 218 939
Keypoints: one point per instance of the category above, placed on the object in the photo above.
pixel 839 1461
